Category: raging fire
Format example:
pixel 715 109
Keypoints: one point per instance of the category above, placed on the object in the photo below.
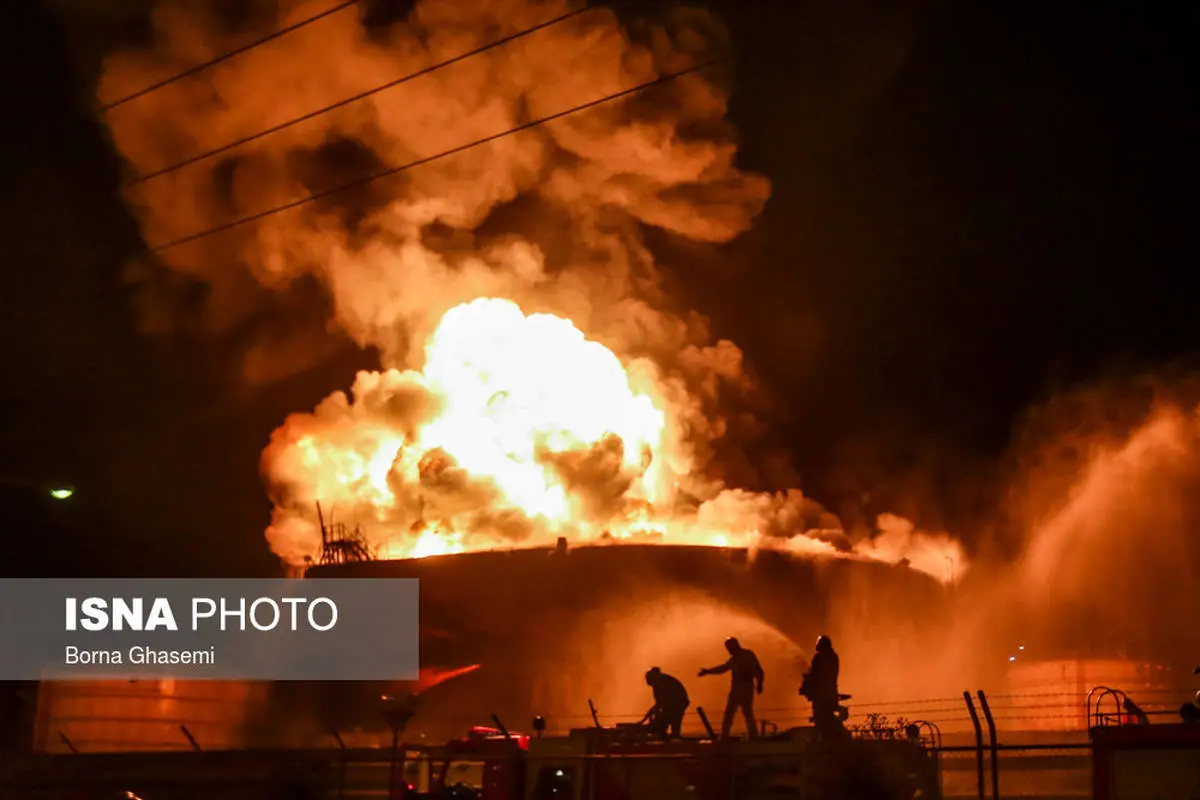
pixel 517 425
pixel 519 429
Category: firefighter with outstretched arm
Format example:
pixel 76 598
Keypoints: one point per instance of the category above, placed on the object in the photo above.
pixel 746 677
pixel 670 703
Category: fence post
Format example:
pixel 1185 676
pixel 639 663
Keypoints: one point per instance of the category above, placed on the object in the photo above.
pixel 991 723
pixel 190 738
pixel 595 716
pixel 393 767
pixel 978 742
pixel 337 737
pixel 704 718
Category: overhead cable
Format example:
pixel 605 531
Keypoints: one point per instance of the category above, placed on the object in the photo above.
pixel 352 99
pixel 310 198
pixel 187 73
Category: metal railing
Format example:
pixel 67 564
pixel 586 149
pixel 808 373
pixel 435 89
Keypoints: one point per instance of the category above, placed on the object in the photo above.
pixel 1046 769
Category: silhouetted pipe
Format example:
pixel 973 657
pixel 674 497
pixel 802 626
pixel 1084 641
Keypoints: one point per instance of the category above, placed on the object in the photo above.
pixel 595 717
pixel 190 738
pixel 394 768
pixel 1091 723
pixel 991 723
pixel 337 737
pixel 704 718
pixel 1119 699
pixel 978 742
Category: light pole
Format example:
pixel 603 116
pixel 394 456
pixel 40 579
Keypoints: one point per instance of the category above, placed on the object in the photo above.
pixel 397 712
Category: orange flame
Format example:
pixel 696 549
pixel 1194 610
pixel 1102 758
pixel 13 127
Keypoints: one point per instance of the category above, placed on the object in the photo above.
pixel 517 430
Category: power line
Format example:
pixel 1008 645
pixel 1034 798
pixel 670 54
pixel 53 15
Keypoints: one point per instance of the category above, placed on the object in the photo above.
pixel 353 99
pixel 187 73
pixel 428 159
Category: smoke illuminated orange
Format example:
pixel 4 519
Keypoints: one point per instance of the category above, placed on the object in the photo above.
pixel 489 426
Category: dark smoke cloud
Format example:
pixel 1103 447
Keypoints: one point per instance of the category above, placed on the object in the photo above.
pixel 555 219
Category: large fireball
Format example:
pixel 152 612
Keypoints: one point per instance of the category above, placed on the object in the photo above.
pixel 517 425
pixel 517 390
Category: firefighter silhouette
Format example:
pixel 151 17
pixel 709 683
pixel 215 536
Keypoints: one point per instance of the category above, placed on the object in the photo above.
pixel 746 677
pixel 820 686
pixel 670 702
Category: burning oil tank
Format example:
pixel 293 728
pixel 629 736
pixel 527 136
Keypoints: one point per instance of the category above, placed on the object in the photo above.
pixel 552 629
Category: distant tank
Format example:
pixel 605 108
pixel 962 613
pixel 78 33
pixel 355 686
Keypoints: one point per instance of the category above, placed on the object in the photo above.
pixel 147 715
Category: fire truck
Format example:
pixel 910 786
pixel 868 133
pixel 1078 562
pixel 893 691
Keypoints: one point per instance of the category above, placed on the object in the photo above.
pixel 628 763
pixel 1146 761
pixel 1134 759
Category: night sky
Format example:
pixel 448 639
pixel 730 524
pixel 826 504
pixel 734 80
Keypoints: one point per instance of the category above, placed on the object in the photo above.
pixel 975 207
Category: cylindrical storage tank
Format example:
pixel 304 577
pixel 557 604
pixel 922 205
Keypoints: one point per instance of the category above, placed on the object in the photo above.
pixel 147 715
pixel 1052 694
pixel 553 629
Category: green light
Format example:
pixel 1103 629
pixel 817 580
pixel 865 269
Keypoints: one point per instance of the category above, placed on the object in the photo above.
pixel 61 494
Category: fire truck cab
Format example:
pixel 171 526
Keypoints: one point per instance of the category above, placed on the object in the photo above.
pixel 594 764
pixel 1132 762
pixel 624 764
pixel 1133 758
pixel 483 764
pixel 627 763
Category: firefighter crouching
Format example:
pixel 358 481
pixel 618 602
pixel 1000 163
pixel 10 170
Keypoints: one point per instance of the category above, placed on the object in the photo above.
pixel 670 702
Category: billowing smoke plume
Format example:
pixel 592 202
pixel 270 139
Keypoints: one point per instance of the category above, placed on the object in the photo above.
pixel 1112 563
pixel 1106 502
pixel 549 221
pixel 549 218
